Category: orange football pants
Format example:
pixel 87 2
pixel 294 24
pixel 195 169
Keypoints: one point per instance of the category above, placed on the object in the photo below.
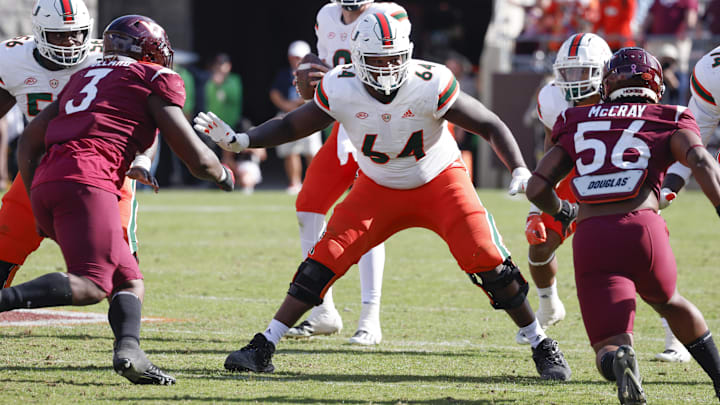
pixel 325 179
pixel 18 235
pixel 448 205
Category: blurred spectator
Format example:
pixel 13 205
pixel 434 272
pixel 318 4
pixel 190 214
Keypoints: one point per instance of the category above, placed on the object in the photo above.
pixel 615 22
pixel 562 18
pixel 499 47
pixel 461 67
pixel 711 18
pixel 667 55
pixel 673 22
pixel 284 96
pixel 223 96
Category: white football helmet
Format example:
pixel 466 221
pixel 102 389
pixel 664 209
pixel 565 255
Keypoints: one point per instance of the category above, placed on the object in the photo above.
pixel 579 65
pixel 352 5
pixel 380 35
pixel 61 16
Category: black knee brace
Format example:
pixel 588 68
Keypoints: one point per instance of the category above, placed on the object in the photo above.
pixel 311 280
pixel 494 287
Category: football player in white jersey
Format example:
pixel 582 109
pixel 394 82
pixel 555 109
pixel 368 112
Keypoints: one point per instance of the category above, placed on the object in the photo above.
pixel 411 175
pixel 704 104
pixel 330 174
pixel 33 71
pixel 577 75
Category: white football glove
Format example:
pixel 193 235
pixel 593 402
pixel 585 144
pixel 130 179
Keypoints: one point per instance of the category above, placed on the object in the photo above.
pixel 667 196
pixel 520 177
pixel 220 132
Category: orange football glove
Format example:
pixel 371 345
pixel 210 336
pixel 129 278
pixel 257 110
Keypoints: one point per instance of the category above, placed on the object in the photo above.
pixel 535 229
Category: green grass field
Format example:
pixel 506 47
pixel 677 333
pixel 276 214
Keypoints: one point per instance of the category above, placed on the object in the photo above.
pixel 219 265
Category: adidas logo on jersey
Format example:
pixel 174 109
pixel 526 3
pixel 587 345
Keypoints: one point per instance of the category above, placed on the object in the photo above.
pixel 408 114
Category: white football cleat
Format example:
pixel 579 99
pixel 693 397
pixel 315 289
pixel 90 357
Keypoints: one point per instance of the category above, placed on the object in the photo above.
pixel 674 351
pixel 366 338
pixel 550 311
pixel 326 322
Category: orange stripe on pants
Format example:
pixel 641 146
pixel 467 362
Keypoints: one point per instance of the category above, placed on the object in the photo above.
pixel 448 206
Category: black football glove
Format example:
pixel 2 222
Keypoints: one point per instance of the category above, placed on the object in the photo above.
pixel 567 214
pixel 228 179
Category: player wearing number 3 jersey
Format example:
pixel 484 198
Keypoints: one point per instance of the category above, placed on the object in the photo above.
pixel 620 150
pixel 411 175
pixel 33 71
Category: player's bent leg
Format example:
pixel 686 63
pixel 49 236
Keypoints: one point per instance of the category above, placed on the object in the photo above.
pixel 371 266
pixel 507 290
pixel 128 207
pixel 310 283
pixel 50 290
pixel 129 360
pixel 616 361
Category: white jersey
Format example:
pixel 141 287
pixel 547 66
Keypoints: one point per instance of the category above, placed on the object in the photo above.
pixel 333 44
pixel 705 89
pixel 550 103
pixel 33 86
pixel 403 144
pixel 333 35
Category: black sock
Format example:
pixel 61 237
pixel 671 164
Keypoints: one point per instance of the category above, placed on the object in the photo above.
pixel 50 290
pixel 6 269
pixel 705 353
pixel 606 364
pixel 124 315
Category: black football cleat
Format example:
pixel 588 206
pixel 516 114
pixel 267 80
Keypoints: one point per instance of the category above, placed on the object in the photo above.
pixel 134 365
pixel 550 362
pixel 627 377
pixel 255 357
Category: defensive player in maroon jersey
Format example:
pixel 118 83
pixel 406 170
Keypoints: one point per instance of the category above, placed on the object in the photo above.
pixel 89 136
pixel 621 150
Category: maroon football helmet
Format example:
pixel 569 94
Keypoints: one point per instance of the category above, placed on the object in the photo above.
pixel 632 73
pixel 138 37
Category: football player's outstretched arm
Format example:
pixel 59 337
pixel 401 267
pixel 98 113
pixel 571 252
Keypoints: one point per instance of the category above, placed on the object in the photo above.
pixel 473 116
pixel 688 150
pixel 199 159
pixel 31 146
pixel 299 123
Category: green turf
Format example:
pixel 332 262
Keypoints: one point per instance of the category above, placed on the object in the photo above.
pixel 220 264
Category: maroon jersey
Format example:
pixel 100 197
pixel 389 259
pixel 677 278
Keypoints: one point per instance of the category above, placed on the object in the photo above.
pixel 104 121
pixel 618 147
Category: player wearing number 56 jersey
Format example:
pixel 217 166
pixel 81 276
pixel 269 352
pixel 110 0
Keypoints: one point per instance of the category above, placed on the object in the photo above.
pixel 620 150
pixel 411 175
pixel 33 71
pixel 331 173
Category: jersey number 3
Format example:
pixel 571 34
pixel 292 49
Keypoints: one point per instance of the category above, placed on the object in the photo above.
pixel 90 90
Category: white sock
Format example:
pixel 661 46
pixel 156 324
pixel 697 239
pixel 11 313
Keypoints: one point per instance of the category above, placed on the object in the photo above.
pixel 534 333
pixel 312 225
pixel 275 331
pixel 369 318
pixel 671 342
pixel 548 292
pixel 372 265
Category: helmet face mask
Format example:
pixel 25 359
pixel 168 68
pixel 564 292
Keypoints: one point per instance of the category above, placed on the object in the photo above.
pixel 352 5
pixel 381 52
pixel 633 73
pixel 68 17
pixel 137 37
pixel 579 65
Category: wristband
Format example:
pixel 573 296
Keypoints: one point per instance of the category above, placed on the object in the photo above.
pixel 534 209
pixel 223 176
pixel 142 162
